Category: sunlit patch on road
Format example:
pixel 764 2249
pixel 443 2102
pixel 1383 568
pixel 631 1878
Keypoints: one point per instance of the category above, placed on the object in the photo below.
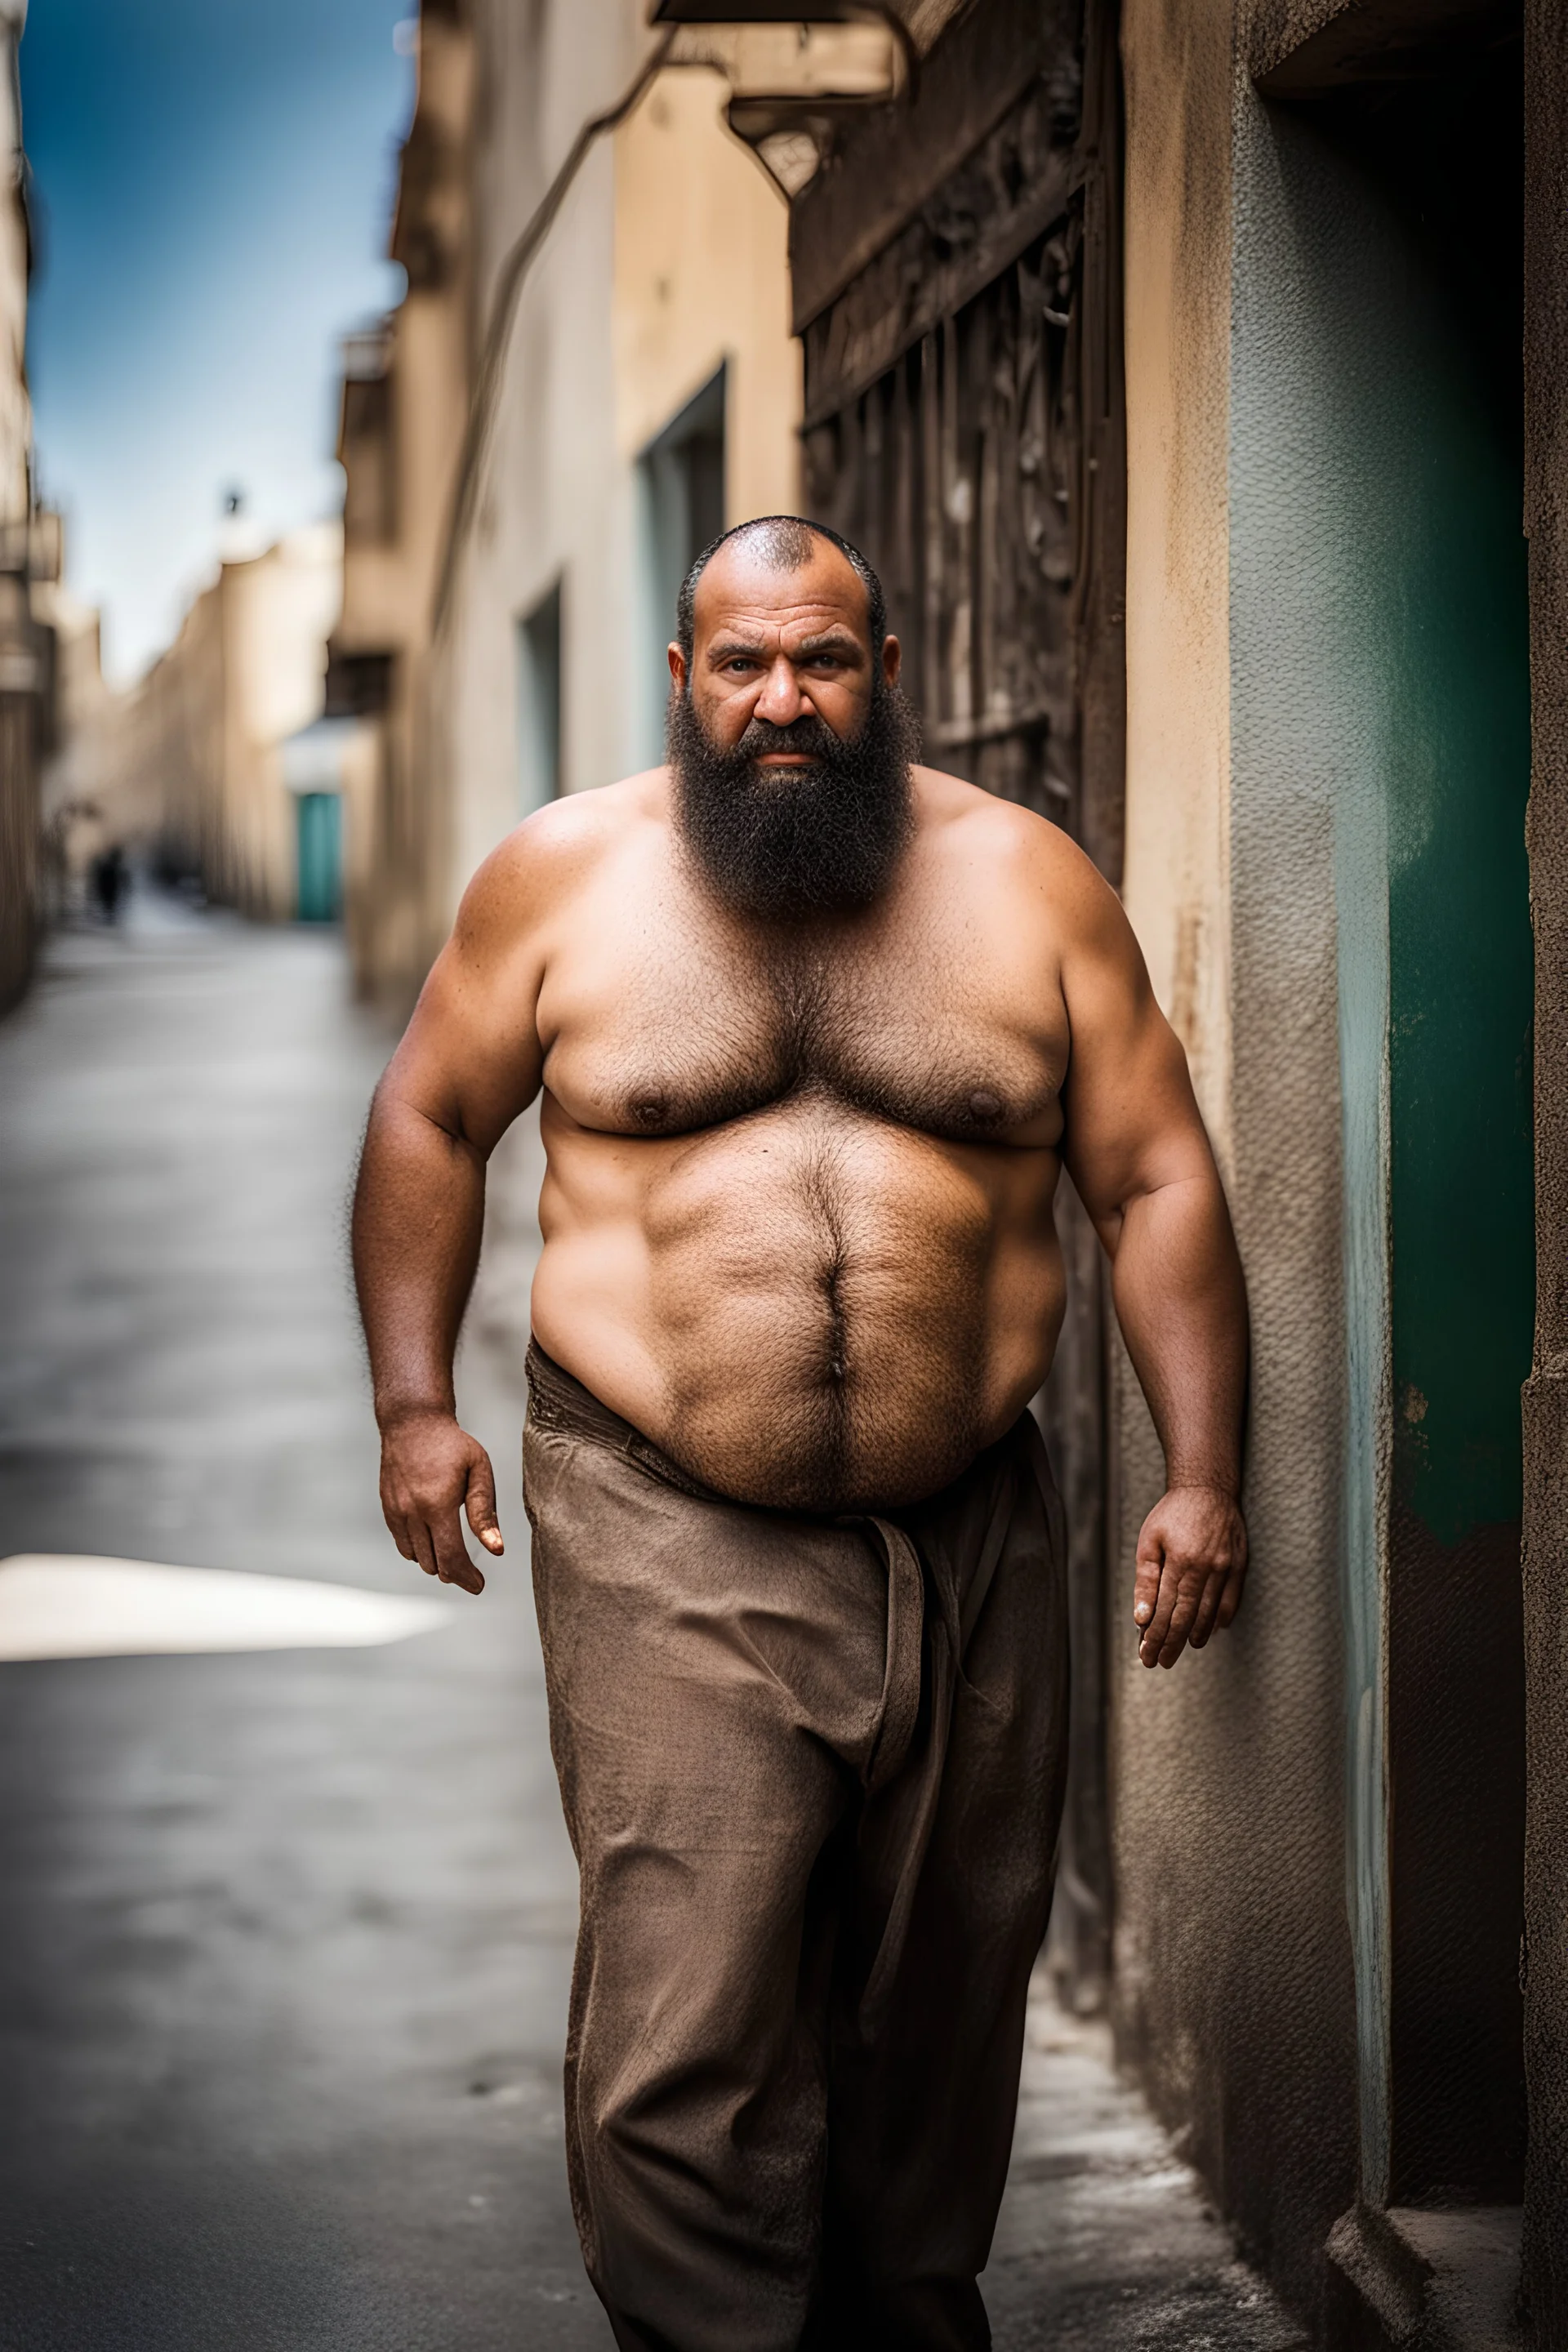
pixel 59 1606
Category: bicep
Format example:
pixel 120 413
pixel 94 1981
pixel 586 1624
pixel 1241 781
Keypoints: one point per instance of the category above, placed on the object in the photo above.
pixel 1132 1120
pixel 470 1059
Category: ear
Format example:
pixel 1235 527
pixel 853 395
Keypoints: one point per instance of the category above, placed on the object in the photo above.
pixel 892 660
pixel 678 669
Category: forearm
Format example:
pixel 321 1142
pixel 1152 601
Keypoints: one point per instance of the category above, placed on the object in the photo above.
pixel 417 1223
pixel 1181 1304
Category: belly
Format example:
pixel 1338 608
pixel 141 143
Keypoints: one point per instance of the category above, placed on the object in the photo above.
pixel 807 1308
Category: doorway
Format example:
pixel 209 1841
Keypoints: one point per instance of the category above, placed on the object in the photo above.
pixel 1404 197
pixel 319 843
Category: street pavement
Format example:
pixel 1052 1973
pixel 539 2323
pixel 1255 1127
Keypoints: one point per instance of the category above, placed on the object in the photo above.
pixel 285 1936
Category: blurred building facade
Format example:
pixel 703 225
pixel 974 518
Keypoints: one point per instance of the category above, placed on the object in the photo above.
pixel 404 408
pixel 29 549
pixel 214 763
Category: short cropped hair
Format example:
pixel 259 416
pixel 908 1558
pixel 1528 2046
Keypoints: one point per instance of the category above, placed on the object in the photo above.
pixel 785 542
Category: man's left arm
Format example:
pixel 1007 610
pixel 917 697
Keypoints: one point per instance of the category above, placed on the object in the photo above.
pixel 1136 1149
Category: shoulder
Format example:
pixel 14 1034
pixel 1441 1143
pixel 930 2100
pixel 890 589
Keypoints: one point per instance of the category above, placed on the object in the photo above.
pixel 544 861
pixel 1011 848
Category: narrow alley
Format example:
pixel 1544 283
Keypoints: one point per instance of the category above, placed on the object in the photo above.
pixel 288 1934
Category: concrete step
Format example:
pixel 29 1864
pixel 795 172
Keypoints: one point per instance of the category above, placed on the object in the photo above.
pixel 1405 2281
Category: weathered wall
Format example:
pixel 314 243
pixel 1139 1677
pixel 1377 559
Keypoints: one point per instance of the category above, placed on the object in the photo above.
pixel 1234 1986
pixel 1546 1396
pixel 1176 65
pixel 1326 725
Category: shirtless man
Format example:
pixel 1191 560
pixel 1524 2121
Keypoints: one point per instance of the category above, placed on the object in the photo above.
pixel 815 1030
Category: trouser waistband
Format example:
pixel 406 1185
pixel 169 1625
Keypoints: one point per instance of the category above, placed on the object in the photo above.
pixel 558 1400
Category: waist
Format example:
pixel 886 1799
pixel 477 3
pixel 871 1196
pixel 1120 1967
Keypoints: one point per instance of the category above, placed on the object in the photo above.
pixel 557 1400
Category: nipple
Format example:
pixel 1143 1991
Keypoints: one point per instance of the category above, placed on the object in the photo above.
pixel 984 1105
pixel 650 1111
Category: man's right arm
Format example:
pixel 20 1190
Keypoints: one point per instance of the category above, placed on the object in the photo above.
pixel 468 1063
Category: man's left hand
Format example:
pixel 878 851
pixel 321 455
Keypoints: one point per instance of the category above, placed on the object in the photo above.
pixel 1192 1561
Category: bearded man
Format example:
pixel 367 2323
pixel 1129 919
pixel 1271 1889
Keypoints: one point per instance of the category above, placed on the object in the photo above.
pixel 815 1030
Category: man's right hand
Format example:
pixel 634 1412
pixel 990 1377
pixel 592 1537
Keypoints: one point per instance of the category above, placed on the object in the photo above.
pixel 430 1471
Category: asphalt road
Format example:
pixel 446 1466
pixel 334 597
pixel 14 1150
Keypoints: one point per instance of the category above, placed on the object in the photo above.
pixel 285 1937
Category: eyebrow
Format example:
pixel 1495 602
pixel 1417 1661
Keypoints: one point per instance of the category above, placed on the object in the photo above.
pixel 830 641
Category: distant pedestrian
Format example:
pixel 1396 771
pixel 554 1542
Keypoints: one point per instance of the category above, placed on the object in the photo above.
pixel 111 881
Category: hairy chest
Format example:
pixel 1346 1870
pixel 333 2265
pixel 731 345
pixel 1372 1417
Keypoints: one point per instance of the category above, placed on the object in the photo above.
pixel 689 1036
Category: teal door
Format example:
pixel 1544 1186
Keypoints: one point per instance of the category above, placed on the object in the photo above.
pixel 321 856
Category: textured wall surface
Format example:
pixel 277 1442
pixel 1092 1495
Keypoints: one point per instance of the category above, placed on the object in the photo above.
pixel 1372 759
pixel 1236 1977
pixel 1546 1398
pixel 1177 70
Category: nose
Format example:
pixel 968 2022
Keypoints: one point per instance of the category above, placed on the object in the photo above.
pixel 781 700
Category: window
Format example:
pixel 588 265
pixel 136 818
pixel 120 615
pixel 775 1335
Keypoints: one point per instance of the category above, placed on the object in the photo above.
pixel 539 703
pixel 682 486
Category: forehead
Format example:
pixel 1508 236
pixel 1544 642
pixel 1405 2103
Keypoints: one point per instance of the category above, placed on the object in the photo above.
pixel 742 589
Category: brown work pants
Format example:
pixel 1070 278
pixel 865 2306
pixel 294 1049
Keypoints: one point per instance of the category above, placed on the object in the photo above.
pixel 812 1772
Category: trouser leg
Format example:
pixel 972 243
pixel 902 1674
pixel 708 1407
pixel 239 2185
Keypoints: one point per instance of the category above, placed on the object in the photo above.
pixel 714 1676
pixel 922 2112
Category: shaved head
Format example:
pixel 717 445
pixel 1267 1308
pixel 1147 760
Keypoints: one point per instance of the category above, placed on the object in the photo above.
pixel 783 816
pixel 782 543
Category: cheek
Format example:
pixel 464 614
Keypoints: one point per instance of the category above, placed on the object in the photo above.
pixel 726 713
pixel 845 708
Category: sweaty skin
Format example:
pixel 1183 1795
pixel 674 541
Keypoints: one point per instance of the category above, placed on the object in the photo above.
pixel 798 1211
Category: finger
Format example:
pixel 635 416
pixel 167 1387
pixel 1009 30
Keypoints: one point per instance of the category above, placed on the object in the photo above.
pixel 1230 1599
pixel 480 1503
pixel 424 1550
pixel 452 1560
pixel 1189 1593
pixel 1159 1625
pixel 1202 1624
pixel 398 1528
pixel 1146 1579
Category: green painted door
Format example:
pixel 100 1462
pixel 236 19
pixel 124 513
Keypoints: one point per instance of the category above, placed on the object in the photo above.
pixel 320 856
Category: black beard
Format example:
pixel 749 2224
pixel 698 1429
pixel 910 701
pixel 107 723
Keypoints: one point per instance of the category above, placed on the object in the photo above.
pixel 799 841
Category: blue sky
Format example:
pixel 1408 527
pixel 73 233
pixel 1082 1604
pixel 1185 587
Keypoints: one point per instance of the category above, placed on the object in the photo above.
pixel 215 178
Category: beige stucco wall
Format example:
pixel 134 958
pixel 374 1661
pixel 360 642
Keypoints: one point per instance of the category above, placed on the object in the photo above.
pixel 701 278
pixel 667 258
pixel 1177 69
pixel 1234 1982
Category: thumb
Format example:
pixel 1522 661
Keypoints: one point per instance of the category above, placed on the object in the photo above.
pixel 1146 1582
pixel 480 1503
